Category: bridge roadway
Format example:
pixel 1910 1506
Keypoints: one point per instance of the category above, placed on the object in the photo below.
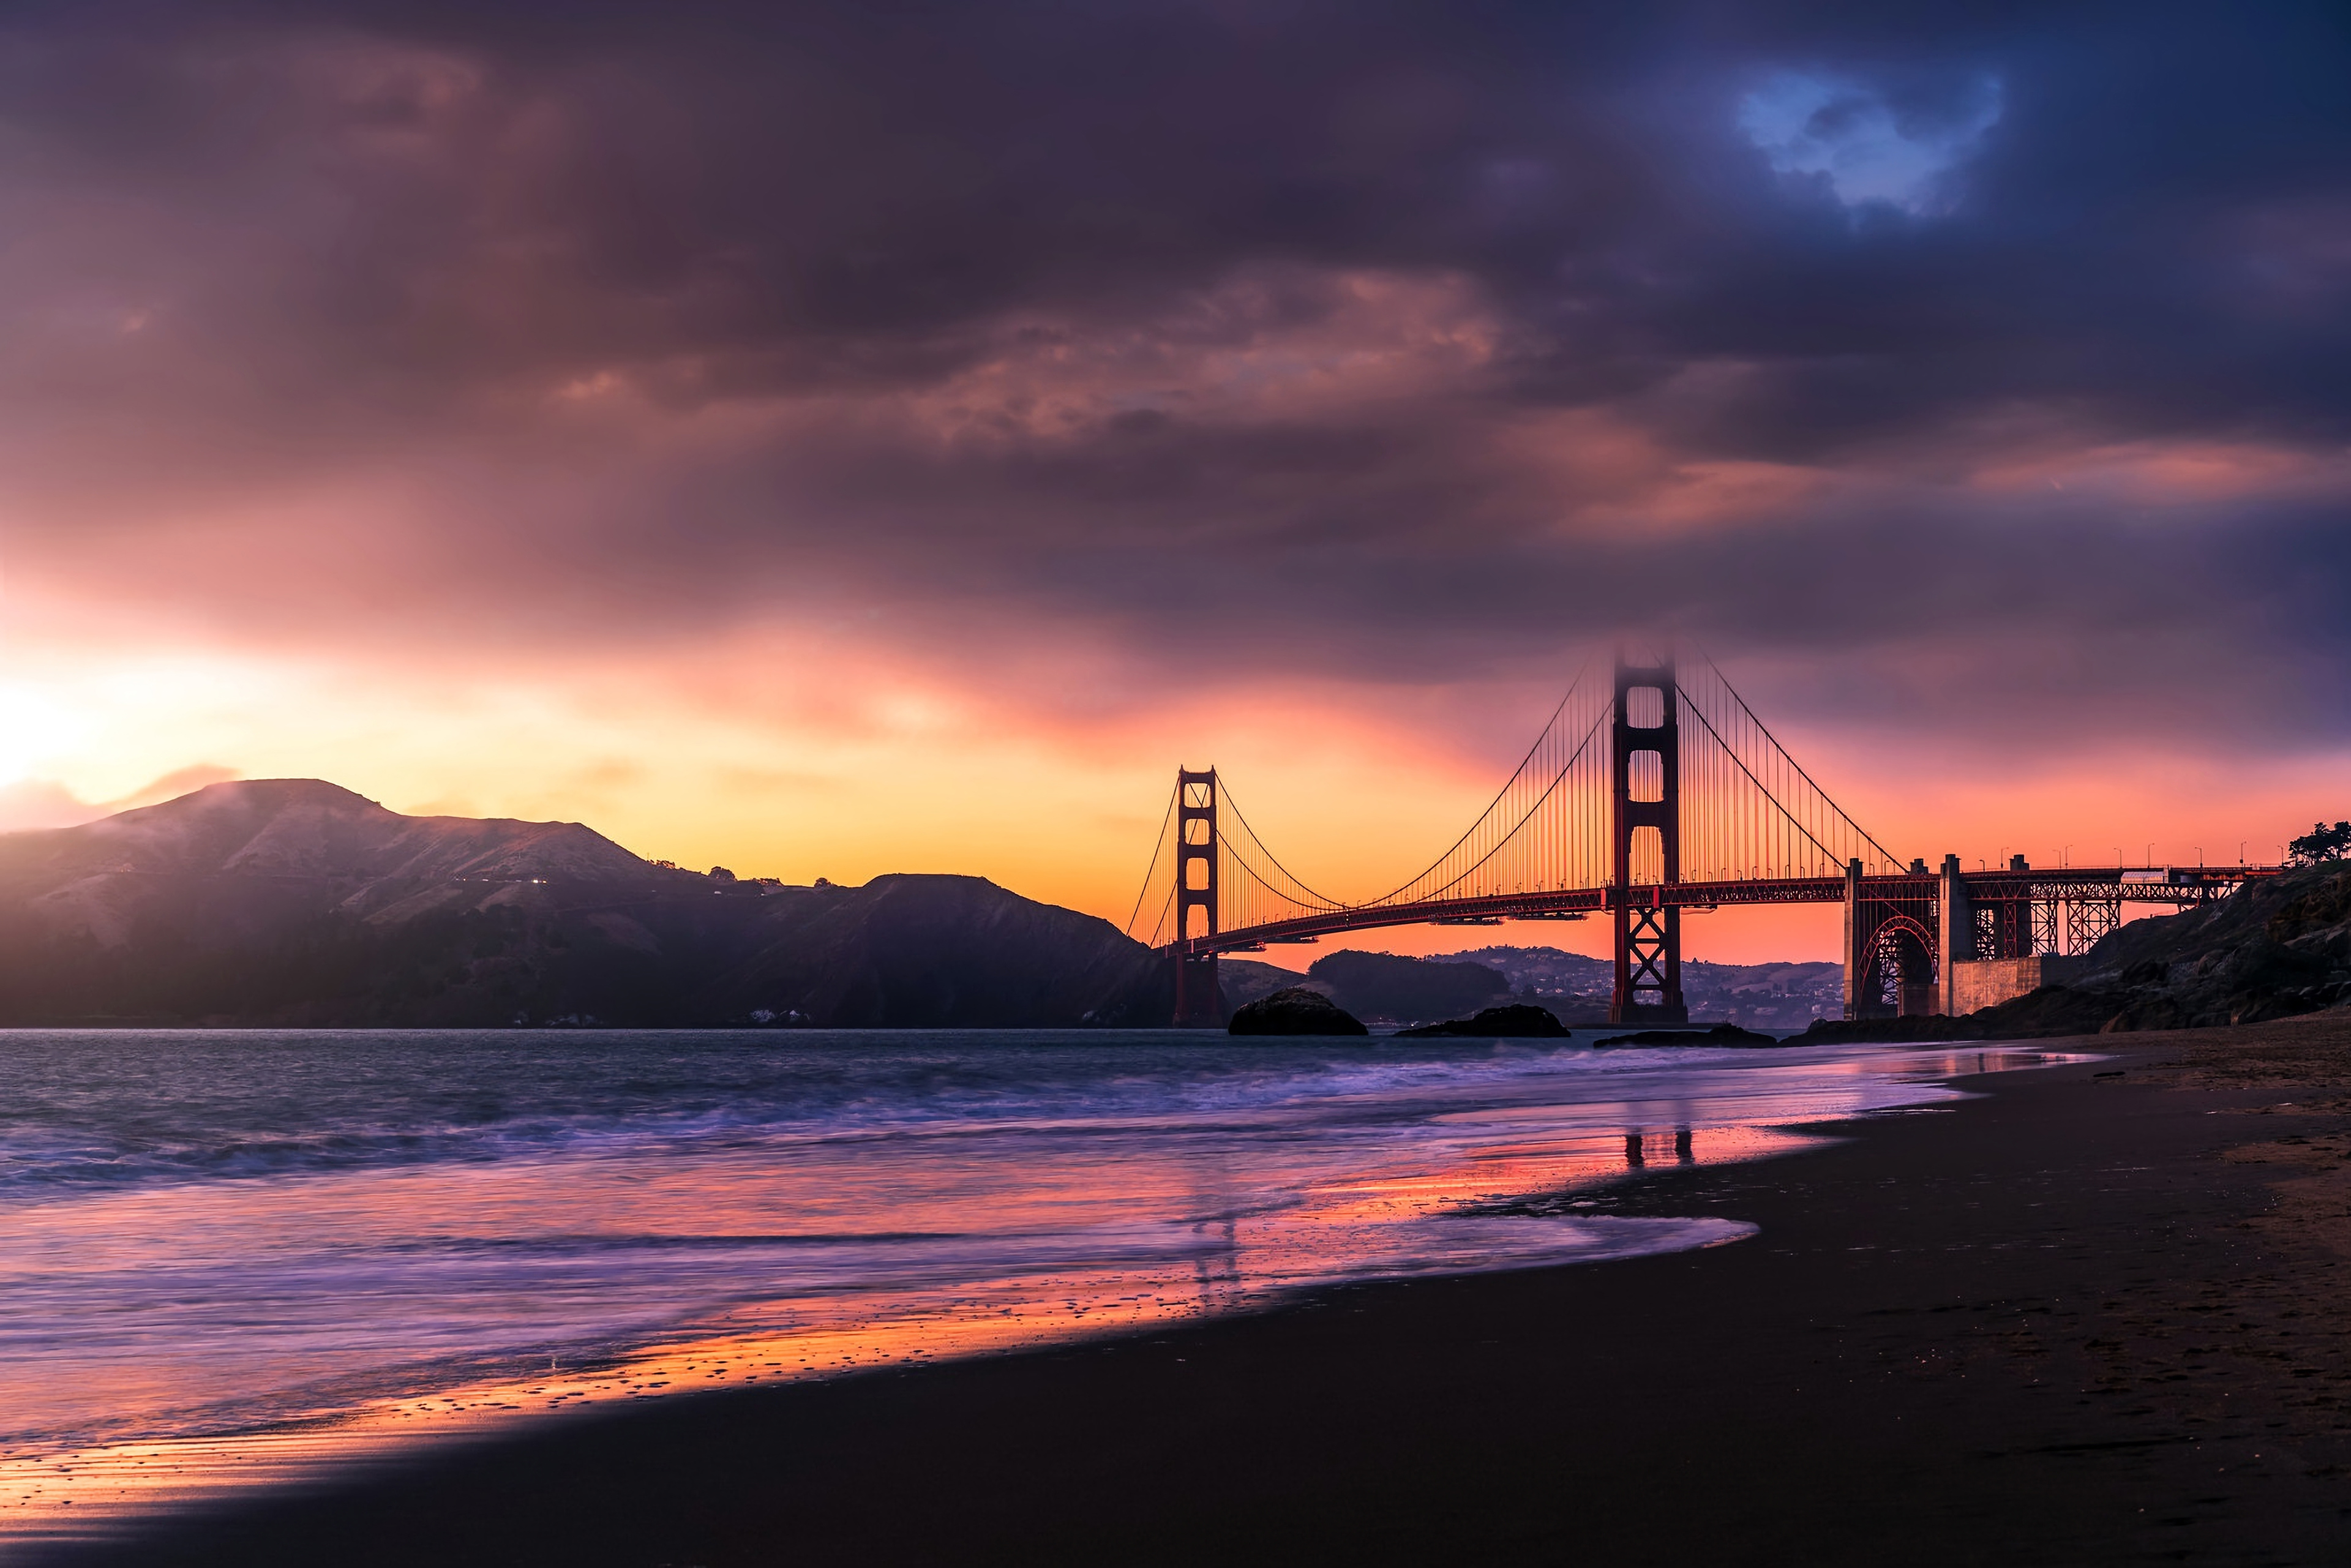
pixel 2124 885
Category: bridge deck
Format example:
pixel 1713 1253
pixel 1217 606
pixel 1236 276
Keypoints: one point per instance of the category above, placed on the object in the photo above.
pixel 2127 884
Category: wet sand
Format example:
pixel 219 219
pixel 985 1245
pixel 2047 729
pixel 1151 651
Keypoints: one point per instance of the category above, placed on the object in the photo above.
pixel 2097 1316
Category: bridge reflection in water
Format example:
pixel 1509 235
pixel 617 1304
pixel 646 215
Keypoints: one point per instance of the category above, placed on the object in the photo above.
pixel 1636 1142
pixel 1652 794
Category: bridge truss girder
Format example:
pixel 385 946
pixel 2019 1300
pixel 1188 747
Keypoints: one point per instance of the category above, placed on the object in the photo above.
pixel 1701 896
pixel 1998 911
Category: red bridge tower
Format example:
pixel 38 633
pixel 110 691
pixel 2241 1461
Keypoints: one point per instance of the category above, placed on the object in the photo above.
pixel 1199 1003
pixel 1646 824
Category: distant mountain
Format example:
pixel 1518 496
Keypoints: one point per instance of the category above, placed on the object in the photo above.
pixel 1766 996
pixel 297 902
pixel 1574 988
pixel 1376 986
pixel 1380 987
pixel 1244 980
pixel 1384 986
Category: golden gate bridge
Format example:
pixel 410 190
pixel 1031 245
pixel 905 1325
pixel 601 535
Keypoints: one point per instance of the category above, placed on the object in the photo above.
pixel 1647 796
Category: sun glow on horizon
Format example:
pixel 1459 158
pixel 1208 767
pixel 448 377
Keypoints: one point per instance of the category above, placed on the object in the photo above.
pixel 808 779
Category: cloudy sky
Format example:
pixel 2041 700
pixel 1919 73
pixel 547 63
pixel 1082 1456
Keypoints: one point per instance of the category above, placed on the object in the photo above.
pixel 831 441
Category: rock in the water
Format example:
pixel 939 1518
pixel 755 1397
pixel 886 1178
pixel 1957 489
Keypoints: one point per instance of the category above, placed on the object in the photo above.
pixel 1295 1010
pixel 1518 1021
pixel 1720 1035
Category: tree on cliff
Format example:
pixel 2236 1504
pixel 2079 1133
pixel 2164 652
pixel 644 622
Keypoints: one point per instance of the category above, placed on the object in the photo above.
pixel 2321 843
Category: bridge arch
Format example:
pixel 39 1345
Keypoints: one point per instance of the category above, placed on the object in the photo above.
pixel 1902 968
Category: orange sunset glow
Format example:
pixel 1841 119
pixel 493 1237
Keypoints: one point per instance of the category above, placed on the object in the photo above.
pixel 780 752
pixel 739 576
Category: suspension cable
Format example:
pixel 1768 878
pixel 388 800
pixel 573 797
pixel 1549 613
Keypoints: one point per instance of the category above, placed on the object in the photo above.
pixel 1519 826
pixel 1741 763
pixel 1888 856
pixel 1226 799
pixel 1152 869
pixel 1438 864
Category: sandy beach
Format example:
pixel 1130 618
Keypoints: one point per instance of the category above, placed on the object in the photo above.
pixel 2096 1315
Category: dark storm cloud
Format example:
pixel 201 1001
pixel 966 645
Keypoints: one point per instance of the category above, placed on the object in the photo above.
pixel 1388 338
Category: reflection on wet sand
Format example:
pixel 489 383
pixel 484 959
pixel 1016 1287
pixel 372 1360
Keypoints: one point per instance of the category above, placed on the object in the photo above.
pixel 1388 1227
pixel 1416 1211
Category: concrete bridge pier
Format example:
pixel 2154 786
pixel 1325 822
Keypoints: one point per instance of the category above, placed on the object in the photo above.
pixel 1856 951
pixel 1954 933
pixel 1890 944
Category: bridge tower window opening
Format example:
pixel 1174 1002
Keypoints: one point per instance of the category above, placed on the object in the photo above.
pixel 1647 857
pixel 1646 776
pixel 1644 706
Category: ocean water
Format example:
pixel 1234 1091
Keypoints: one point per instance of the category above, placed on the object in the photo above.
pixel 230 1258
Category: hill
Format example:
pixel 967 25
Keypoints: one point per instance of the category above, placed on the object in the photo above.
pixel 1380 987
pixel 1574 988
pixel 295 902
pixel 913 952
pixel 1767 996
pixel 1388 989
